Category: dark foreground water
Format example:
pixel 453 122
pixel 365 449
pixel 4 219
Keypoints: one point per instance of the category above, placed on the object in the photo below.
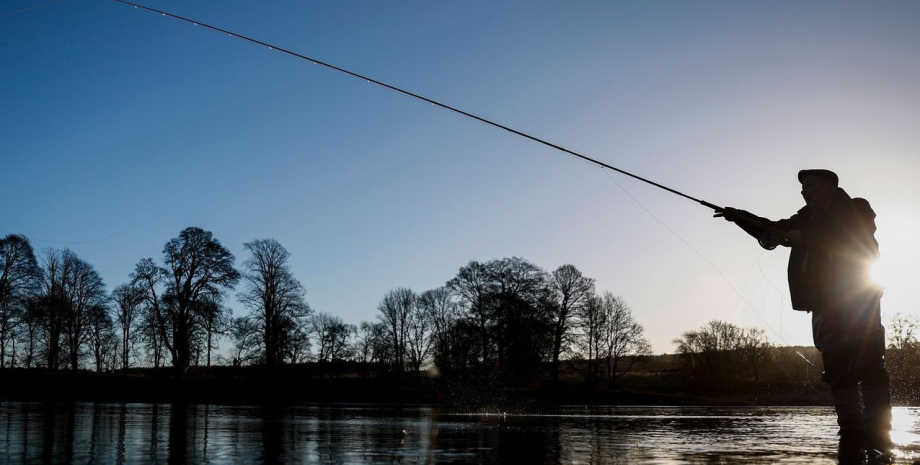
pixel 104 434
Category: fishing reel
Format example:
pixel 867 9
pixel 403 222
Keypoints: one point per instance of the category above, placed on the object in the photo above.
pixel 770 239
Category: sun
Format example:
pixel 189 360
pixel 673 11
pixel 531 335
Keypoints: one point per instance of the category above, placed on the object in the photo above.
pixel 878 273
pixel 896 268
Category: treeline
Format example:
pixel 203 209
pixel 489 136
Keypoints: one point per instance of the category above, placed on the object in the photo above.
pixel 903 356
pixel 500 322
pixel 503 322
pixel 497 321
pixel 720 356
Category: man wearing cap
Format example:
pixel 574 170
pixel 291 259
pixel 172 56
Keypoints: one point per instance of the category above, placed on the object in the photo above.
pixel 833 244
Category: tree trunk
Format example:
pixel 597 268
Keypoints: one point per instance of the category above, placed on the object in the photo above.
pixel 54 346
pixel 31 348
pixel 98 353
pixel 181 356
pixel 124 349
pixel 610 377
pixel 74 353
pixel 557 347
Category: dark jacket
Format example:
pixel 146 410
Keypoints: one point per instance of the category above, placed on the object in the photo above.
pixel 830 268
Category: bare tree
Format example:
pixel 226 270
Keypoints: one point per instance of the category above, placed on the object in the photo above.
pixel 395 309
pixel 625 338
pixel 151 335
pixel 442 312
pixel 332 336
pixel 101 335
pixel 366 335
pixel 70 288
pixel 571 291
pixel 19 274
pixel 84 290
pixel 273 295
pixel 31 322
pixel 244 333
pixel 720 351
pixel 419 340
pixel 522 312
pixel 52 305
pixel 297 343
pixel 197 268
pixel 156 328
pixel 755 351
pixel 508 303
pixel 592 340
pixel 128 300
pixel 367 340
pixel 903 347
pixel 472 286
pixel 214 320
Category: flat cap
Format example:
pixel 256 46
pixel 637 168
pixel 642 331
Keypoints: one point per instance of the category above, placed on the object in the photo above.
pixel 825 174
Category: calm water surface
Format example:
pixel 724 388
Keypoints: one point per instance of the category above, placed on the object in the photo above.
pixel 100 433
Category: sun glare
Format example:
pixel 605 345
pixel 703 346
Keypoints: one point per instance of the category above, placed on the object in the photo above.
pixel 878 273
pixel 896 269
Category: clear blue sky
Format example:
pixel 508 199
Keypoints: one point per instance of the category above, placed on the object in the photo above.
pixel 110 116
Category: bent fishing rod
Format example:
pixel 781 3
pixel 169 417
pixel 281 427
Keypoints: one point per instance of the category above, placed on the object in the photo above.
pixel 436 103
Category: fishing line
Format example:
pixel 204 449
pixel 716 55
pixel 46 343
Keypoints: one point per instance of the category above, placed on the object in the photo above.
pixel 782 301
pixel 424 99
pixel 35 7
pixel 694 249
pixel 485 121
pixel 490 123
pixel 732 287
pixel 482 120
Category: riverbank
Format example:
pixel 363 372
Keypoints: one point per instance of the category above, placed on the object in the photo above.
pixel 657 380
pixel 265 387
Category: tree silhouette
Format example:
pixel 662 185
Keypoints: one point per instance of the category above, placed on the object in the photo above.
pixel 213 320
pixel 196 268
pixel 903 356
pixel 442 313
pixel 522 309
pixel 723 352
pixel 472 287
pixel 571 291
pixel 128 300
pixel 419 340
pixel 332 336
pixel 244 333
pixel 101 336
pixel 84 290
pixel 624 339
pixel 395 309
pixel 19 273
pixel 367 339
pixel 592 337
pixel 70 288
pixel 274 297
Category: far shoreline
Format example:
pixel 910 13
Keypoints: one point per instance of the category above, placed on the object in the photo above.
pixel 252 387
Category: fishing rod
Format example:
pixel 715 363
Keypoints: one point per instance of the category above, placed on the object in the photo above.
pixel 717 209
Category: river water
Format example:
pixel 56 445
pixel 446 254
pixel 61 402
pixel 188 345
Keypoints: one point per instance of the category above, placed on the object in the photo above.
pixel 104 433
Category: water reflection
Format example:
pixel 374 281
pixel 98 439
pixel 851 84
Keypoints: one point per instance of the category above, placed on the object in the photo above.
pixel 198 434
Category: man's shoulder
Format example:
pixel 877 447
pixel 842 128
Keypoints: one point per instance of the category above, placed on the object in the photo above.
pixel 861 204
pixel 862 208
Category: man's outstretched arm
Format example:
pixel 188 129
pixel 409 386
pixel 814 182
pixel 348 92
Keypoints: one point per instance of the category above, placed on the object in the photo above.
pixel 768 233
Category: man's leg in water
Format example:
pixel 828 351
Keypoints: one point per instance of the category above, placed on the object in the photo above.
pixel 870 365
pixel 838 372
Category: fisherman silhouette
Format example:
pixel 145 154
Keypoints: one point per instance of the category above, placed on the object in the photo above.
pixel 833 244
